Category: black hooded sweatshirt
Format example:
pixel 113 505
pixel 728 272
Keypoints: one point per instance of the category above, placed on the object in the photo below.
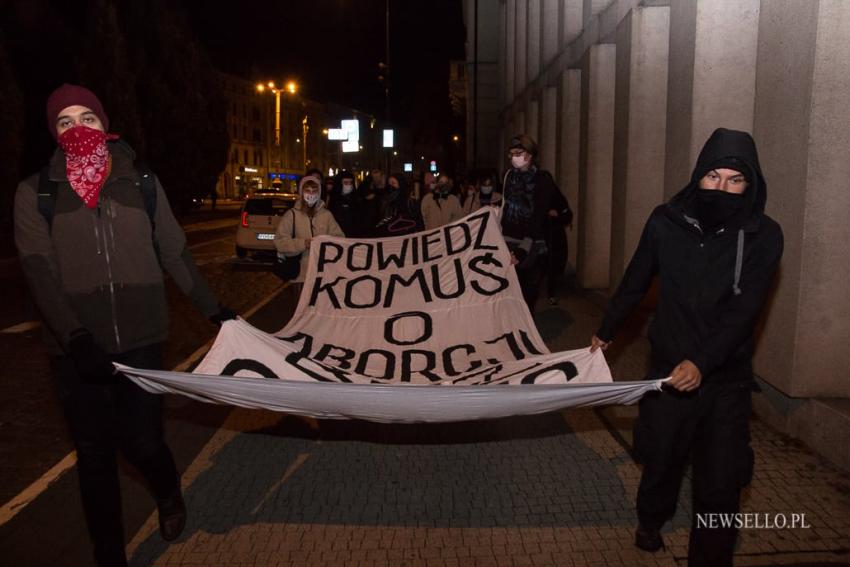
pixel 712 283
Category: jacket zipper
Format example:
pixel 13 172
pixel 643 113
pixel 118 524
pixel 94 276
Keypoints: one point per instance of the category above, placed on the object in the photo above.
pixel 111 284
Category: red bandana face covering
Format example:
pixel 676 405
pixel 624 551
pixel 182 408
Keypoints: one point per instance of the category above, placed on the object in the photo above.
pixel 86 161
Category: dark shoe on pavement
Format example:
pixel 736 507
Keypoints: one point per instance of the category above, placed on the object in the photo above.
pixel 648 539
pixel 172 517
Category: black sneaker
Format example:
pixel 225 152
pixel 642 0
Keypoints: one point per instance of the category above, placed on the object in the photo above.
pixel 172 517
pixel 648 539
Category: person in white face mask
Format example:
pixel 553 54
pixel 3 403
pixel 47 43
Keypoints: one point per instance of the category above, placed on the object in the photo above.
pixel 307 219
pixel 483 193
pixel 531 201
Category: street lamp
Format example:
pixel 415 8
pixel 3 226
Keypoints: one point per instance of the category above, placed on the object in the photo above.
pixel 291 87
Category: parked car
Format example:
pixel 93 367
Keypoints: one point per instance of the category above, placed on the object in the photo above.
pixel 258 220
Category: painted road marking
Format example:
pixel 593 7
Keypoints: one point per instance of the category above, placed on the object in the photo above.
pixel 22 327
pixel 11 508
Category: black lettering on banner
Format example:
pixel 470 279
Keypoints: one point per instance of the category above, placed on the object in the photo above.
pixel 407 369
pixel 568 368
pixel 467 238
pixel 487 371
pixel 512 343
pixel 324 259
pixel 482 229
pixel 319 287
pixel 418 275
pixel 389 325
pixel 375 294
pixel 414 250
pixel 426 246
pixel 367 263
pixel 529 346
pixel 389 362
pixel 397 259
pixel 474 266
pixel 344 358
pixel 448 363
pixel 306 345
pixel 296 358
pixel 436 279
pixel 248 364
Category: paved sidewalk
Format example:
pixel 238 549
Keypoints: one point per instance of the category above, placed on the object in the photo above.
pixel 556 489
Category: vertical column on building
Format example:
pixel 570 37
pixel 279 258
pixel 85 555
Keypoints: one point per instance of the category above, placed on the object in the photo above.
pixel 521 24
pixel 572 20
pixel 551 18
pixel 510 50
pixel 711 78
pixel 640 120
pixel 548 143
pixel 534 37
pixel 592 8
pixel 802 127
pixel 532 120
pixel 570 136
pixel 519 124
pixel 595 171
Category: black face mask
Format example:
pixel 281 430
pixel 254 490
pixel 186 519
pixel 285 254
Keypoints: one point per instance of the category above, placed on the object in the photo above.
pixel 716 207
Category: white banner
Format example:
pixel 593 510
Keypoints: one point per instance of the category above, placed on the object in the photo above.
pixel 381 322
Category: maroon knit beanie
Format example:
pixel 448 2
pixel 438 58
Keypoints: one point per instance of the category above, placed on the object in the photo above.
pixel 73 95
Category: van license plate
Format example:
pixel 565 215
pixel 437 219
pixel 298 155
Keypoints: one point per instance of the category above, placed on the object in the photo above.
pixel 265 236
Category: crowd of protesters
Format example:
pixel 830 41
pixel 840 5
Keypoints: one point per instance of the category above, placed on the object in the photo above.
pixel 94 231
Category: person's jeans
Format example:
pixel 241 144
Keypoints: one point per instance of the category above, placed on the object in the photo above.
pixel 711 426
pixel 104 419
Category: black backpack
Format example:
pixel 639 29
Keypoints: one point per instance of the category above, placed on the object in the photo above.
pixel 48 189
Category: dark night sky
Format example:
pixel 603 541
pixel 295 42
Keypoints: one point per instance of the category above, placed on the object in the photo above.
pixel 332 47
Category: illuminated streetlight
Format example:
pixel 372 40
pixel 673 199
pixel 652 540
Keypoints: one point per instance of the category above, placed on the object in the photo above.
pixel 455 138
pixel 291 87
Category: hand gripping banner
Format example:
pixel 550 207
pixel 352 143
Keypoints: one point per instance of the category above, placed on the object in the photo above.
pixel 427 327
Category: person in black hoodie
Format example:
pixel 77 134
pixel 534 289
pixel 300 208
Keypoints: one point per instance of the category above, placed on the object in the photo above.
pixel 530 199
pixel 715 253
pixel 346 204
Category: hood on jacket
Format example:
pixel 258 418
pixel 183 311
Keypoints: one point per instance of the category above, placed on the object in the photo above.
pixel 730 149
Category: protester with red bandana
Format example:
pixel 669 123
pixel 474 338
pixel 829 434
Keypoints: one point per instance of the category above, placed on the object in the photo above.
pixel 94 267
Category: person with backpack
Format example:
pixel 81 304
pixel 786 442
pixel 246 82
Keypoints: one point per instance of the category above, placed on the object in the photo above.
pixel 93 232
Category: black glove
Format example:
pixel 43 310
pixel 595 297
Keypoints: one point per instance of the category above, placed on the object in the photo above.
pixel 93 363
pixel 224 314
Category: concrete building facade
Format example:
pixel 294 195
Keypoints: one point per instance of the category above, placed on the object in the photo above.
pixel 621 95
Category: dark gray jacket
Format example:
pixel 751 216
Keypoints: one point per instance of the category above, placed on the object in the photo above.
pixel 101 269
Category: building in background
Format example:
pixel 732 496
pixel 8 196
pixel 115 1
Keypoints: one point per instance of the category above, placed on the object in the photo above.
pixel 620 96
pixel 260 159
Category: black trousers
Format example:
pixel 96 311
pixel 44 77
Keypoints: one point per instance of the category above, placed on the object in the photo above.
pixel 530 277
pixel 711 427
pixel 104 419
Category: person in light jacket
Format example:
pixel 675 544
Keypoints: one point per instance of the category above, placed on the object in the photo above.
pixel 307 219
pixel 440 207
